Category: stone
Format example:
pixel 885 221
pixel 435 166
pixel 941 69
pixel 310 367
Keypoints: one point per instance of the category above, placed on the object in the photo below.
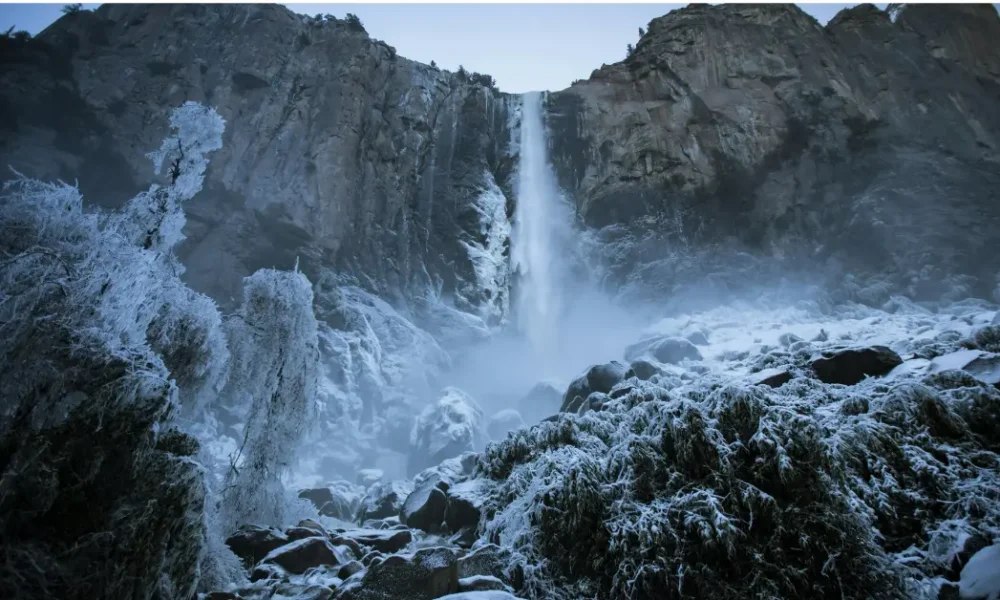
pixel 367 559
pixel 384 500
pixel 300 533
pixel 267 571
pixel 481 595
pixel 369 477
pixel 642 370
pixel 383 540
pixel 252 543
pixel 482 583
pixel 424 575
pixel 337 502
pixel 465 501
pixel 665 349
pixel 350 569
pixel 848 367
pixel 302 555
pixel 774 378
pixel 697 338
pixel 598 378
pixel 465 537
pixel 424 509
pixel 489 560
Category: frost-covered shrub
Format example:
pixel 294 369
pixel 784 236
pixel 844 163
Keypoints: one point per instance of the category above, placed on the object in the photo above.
pixel 94 323
pixel 732 492
pixel 275 368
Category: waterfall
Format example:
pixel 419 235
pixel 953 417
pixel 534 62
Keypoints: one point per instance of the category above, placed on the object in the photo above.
pixel 538 243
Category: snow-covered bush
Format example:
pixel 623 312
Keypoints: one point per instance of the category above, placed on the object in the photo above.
pixel 738 492
pixel 100 343
pixel 275 369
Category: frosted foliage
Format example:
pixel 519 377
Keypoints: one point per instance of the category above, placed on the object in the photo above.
pixel 105 289
pixel 699 484
pixel 197 131
pixel 275 369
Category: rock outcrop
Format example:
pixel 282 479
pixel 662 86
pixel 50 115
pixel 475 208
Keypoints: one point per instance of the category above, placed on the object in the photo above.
pixel 336 150
pixel 869 147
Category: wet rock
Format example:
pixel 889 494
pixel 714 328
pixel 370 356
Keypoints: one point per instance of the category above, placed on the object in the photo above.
pixel 383 540
pixel 642 370
pixel 541 401
pixel 504 422
pixel 482 583
pixel 350 569
pixel 424 509
pixel 485 595
pixel 300 591
pixel 455 424
pixel 490 560
pixel 849 367
pixel 384 500
pixel 252 543
pixel 774 378
pixel 598 378
pixel 337 539
pixel 300 533
pixel 367 559
pixel 425 575
pixel 465 501
pixel 267 571
pixel 988 338
pixel 465 537
pixel 302 555
pixel 668 350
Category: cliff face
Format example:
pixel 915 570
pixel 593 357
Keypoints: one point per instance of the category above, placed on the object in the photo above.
pixel 869 146
pixel 336 149
pixel 872 142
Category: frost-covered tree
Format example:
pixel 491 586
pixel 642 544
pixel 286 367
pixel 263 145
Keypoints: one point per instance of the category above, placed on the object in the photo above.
pixel 99 341
pixel 275 370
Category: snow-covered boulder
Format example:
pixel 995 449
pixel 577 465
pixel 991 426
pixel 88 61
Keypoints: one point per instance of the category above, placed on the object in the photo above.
pixel 381 540
pixel 981 576
pixel 665 349
pixel 252 543
pixel 338 500
pixel 424 509
pixel 452 425
pixel 642 370
pixel 384 500
pixel 482 583
pixel 598 378
pixel 302 555
pixel 465 502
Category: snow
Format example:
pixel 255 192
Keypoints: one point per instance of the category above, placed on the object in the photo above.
pixel 981 576
pixel 455 419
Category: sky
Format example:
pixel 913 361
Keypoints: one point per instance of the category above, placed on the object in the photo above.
pixel 525 47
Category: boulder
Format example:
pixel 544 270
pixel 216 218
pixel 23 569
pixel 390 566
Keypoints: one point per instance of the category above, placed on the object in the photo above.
pixel 453 425
pixel 465 501
pixel 503 422
pixel 773 377
pixel 383 540
pixel 424 509
pixel 302 555
pixel 350 569
pixel 665 349
pixel 849 367
pixel 338 501
pixel 697 338
pixel 482 583
pixel 541 401
pixel 267 571
pixel 482 595
pixel 384 500
pixel 252 543
pixel 642 369
pixel 598 378
pixel 489 560
pixel 300 533
pixel 424 575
